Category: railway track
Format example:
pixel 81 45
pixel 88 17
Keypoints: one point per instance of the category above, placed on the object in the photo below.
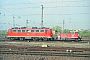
pixel 2 39
pixel 45 51
pixel 82 41
pixel 78 44
pixel 48 48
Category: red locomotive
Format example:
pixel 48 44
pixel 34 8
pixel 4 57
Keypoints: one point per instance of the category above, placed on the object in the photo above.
pixel 33 33
pixel 68 36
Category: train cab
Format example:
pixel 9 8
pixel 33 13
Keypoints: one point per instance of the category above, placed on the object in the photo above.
pixel 68 36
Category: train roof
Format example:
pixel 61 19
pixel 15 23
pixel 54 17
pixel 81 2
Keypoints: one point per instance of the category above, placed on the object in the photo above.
pixel 29 28
pixel 74 31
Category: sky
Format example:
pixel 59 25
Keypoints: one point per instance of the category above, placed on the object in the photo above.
pixel 75 13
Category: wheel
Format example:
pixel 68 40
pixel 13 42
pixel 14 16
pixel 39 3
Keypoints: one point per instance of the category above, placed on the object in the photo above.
pixel 53 38
pixel 21 38
pixel 11 38
pixel 49 39
pixel 79 38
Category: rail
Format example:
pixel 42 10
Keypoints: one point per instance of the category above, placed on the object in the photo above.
pixel 45 53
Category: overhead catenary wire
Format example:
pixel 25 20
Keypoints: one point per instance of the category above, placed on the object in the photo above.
pixel 9 9
pixel 46 7
pixel 44 14
pixel 6 10
pixel 47 14
pixel 43 2
pixel 12 14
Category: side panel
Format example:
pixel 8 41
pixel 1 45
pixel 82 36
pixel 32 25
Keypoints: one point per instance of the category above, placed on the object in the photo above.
pixel 64 35
pixel 28 33
pixel 74 35
pixel 71 35
pixel 48 32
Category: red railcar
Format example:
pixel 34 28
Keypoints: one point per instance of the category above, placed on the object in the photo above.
pixel 67 36
pixel 33 33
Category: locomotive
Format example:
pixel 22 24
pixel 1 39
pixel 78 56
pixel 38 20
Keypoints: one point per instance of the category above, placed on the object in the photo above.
pixel 33 33
pixel 72 35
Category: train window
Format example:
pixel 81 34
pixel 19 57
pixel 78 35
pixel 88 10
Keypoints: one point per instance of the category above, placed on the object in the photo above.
pixel 29 30
pixel 19 30
pixel 41 30
pixel 37 30
pixel 23 30
pixel 32 30
pixel 26 30
pixel 14 30
pixel 10 30
pixel 73 33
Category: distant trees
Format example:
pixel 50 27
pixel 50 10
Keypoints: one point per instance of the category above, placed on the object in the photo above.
pixel 83 33
pixel 3 32
pixel 57 28
pixel 66 31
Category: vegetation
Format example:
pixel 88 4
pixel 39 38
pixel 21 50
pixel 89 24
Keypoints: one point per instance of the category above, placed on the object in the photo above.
pixel 82 33
pixel 56 29
pixel 66 30
pixel 3 32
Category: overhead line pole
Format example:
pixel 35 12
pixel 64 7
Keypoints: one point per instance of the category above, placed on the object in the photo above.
pixel 42 17
pixel 63 20
pixel 26 23
pixel 13 21
pixel 63 26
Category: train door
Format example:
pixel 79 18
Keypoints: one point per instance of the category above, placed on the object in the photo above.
pixel 46 33
pixel 9 32
pixel 72 34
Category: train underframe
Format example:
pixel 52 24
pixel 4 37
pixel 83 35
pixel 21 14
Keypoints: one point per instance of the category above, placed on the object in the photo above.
pixel 31 38
pixel 43 38
pixel 66 38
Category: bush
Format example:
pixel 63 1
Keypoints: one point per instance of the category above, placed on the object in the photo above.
pixel 3 32
pixel 84 33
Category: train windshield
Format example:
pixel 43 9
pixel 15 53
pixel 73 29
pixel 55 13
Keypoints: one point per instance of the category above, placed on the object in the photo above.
pixel 72 33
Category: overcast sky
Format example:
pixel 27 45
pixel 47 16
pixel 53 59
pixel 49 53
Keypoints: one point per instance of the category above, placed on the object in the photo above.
pixel 75 13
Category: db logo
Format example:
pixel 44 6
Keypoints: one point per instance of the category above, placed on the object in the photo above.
pixel 27 34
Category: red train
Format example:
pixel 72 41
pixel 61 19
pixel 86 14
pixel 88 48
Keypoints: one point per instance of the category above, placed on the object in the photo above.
pixel 33 33
pixel 72 35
